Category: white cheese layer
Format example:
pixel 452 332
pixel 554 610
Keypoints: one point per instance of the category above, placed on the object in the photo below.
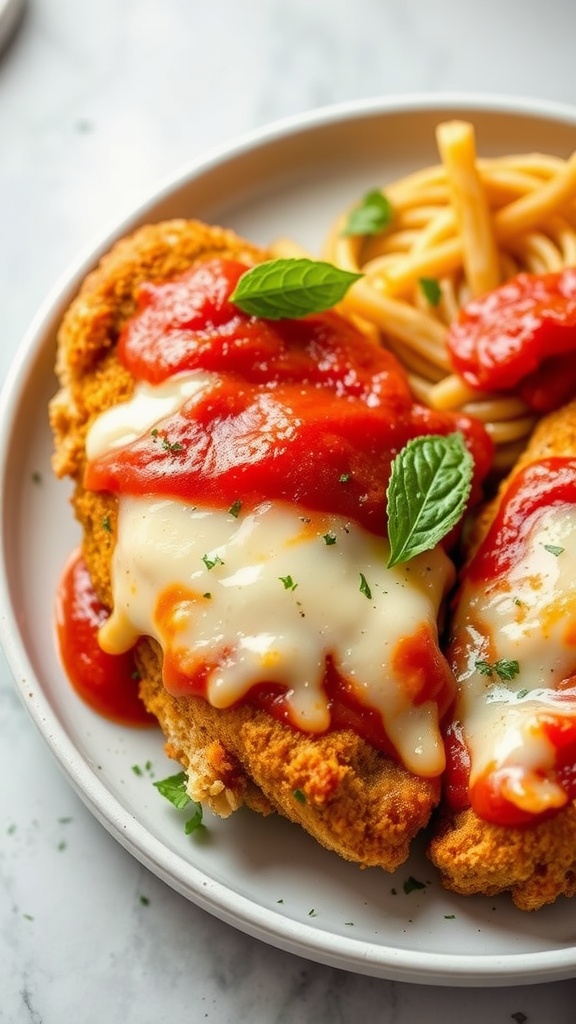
pixel 522 625
pixel 267 597
pixel 148 406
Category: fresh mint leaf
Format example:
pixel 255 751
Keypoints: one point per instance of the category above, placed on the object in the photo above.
pixel 427 493
pixel 291 288
pixel 372 215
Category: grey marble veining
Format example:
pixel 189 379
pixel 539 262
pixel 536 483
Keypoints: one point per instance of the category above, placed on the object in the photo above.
pixel 99 103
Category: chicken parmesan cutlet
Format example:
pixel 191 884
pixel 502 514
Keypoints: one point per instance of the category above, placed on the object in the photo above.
pixel 509 818
pixel 230 478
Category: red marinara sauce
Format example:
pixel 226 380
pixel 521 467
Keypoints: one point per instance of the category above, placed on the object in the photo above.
pixel 107 683
pixel 308 411
pixel 486 795
pixel 521 337
pixel 540 485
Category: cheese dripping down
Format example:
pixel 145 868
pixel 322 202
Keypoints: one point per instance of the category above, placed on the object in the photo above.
pixel 267 596
pixel 525 621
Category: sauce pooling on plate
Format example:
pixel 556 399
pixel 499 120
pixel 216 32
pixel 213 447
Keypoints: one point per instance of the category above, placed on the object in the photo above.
pixel 251 466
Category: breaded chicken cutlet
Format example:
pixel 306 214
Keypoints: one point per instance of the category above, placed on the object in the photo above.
pixel 351 797
pixel 534 860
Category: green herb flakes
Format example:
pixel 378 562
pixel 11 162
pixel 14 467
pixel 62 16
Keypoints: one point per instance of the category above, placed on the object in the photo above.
pixel 553 549
pixel 506 669
pixel 173 789
pixel 235 507
pixel 288 582
pixel 412 884
pixel 364 587
pixel 211 560
pixel 329 538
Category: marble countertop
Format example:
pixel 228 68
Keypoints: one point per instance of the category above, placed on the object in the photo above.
pixel 99 103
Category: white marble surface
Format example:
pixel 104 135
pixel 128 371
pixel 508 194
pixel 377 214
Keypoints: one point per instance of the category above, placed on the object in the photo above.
pixel 100 100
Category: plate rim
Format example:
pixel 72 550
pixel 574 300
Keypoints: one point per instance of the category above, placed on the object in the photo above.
pixel 265 924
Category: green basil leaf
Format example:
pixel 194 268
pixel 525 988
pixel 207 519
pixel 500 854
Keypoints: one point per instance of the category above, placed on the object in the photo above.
pixel 427 493
pixel 371 216
pixel 291 288
pixel 431 290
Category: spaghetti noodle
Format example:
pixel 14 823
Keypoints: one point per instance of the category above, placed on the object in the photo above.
pixel 468 224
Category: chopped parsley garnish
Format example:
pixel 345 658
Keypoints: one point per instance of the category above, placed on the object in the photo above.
pixel 364 587
pixel 168 446
pixel 210 562
pixel 329 538
pixel 554 549
pixel 172 446
pixel 299 796
pixel 106 524
pixel 235 507
pixel 344 478
pixel 173 789
pixel 288 582
pixel 411 884
pixel 506 669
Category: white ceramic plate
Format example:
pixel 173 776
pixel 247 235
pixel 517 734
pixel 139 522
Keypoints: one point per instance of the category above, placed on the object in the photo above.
pixel 264 876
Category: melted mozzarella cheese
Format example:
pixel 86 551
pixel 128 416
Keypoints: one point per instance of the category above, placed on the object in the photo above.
pixel 264 598
pixel 148 406
pixel 527 617
pixel 269 596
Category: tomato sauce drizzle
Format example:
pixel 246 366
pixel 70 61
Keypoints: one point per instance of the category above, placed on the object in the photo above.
pixel 107 683
pixel 310 411
pixel 521 337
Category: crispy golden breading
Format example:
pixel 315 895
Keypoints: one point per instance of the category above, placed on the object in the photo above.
pixel 537 863
pixel 351 798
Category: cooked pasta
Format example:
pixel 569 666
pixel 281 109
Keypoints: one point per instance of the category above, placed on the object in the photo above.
pixel 468 224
